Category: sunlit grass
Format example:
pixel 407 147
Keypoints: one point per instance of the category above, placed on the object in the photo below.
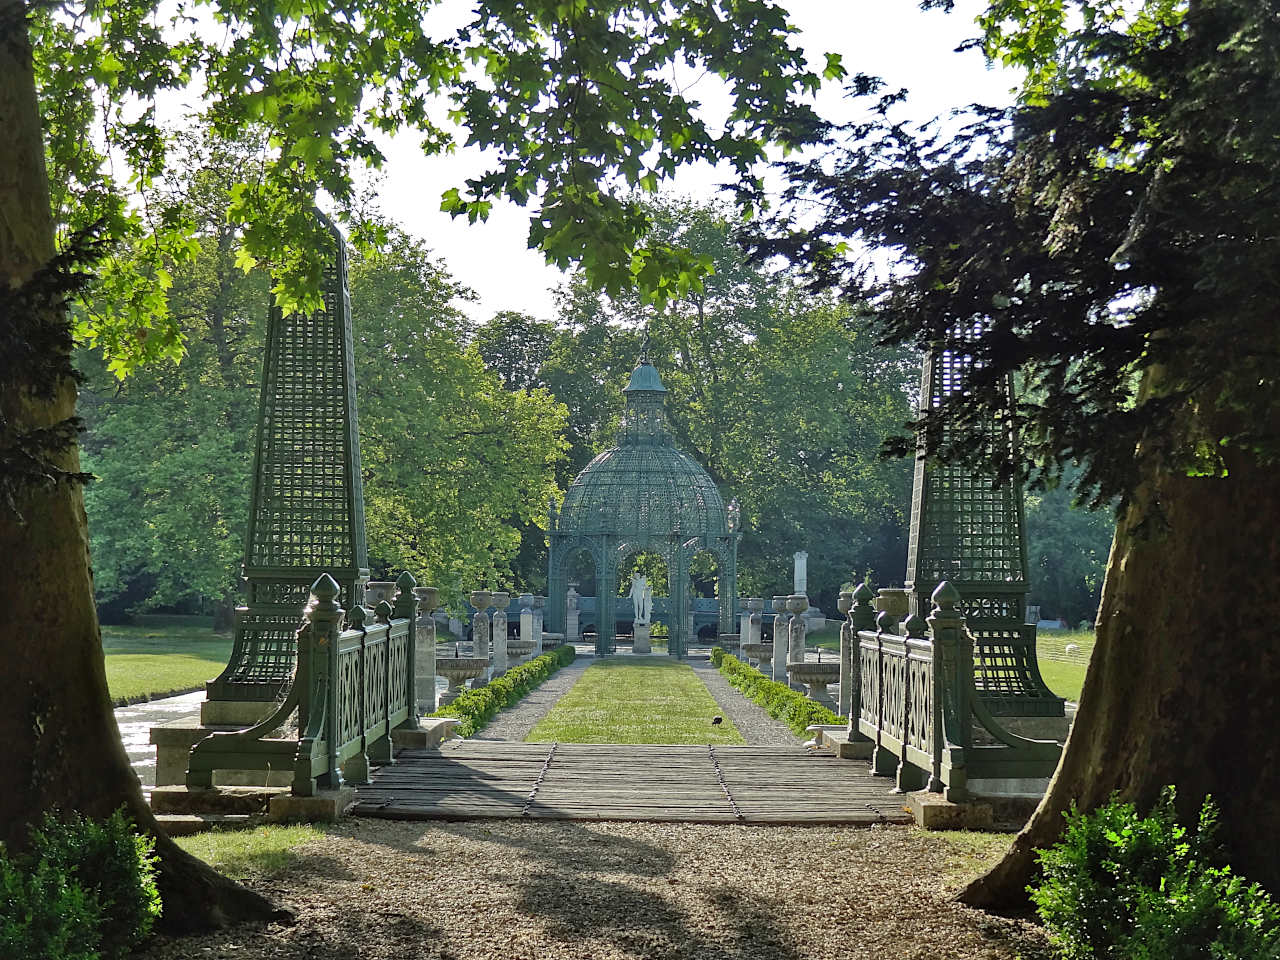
pixel 143 661
pixel 265 851
pixel 969 853
pixel 636 700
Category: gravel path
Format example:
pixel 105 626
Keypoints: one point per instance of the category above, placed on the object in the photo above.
pixel 515 722
pixel 756 726
pixel 507 890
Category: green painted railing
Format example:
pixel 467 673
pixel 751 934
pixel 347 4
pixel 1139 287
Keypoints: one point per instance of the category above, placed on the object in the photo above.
pixel 350 689
pixel 912 697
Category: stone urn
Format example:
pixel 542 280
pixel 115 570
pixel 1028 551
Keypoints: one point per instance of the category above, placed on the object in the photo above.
pixel 845 603
pixel 481 600
pixel 797 603
pixel 816 677
pixel 760 654
pixel 428 600
pixel 894 601
pixel 375 591
pixel 458 670
pixel 780 609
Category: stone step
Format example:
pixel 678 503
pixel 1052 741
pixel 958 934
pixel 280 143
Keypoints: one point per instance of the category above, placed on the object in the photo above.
pixel 217 800
pixel 184 825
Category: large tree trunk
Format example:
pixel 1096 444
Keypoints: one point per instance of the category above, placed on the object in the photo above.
pixel 1184 683
pixel 61 746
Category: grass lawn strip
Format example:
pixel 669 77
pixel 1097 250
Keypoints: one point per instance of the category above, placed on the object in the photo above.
pixel 145 661
pixel 260 852
pixel 636 700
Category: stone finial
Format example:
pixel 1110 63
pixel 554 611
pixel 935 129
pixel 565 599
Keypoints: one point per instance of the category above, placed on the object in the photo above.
pixel 325 588
pixel 915 626
pixel 382 612
pixel 945 597
pixel 863 593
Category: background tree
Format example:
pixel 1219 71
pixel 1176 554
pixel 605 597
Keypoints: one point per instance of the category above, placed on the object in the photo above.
pixel 1113 240
pixel 575 100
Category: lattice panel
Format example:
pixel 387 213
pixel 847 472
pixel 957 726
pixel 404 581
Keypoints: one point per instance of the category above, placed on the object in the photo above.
pixel 894 720
pixel 399 671
pixel 919 718
pixel 285 594
pixel 869 707
pixel 375 681
pixel 349 693
pixel 265 649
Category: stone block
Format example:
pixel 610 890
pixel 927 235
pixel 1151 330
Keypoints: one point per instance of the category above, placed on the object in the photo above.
pixel 1039 728
pixel 173 742
pixel 324 807
pixel 430 733
pixel 836 739
pixel 932 812
pixel 184 825
pixel 234 713
pixel 223 800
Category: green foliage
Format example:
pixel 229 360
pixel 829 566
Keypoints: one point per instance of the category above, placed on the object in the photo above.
pixel 85 889
pixel 1067 550
pixel 717 656
pixel 779 701
pixel 477 707
pixel 580 103
pixel 454 464
pixel 1105 236
pixel 1120 886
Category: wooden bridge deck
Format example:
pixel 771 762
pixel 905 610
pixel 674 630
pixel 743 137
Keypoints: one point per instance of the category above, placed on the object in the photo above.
pixel 477 779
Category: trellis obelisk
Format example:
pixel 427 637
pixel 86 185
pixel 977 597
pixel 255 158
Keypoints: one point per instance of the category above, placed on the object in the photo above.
pixel 306 511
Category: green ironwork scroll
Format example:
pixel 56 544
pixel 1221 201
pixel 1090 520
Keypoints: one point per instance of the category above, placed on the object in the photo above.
pixel 968 530
pixel 306 511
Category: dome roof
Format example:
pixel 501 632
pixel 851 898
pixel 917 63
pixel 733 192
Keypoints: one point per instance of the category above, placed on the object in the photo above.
pixel 644 487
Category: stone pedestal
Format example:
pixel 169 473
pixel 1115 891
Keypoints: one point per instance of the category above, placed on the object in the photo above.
pixel 480 599
pixel 571 617
pixel 425 656
pixel 500 601
pixel 797 604
pixel 526 619
pixel 640 643
pixel 780 639
pixel 539 605
pixel 800 579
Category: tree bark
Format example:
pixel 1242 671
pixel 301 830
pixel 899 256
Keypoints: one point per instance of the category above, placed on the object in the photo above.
pixel 62 747
pixel 1184 681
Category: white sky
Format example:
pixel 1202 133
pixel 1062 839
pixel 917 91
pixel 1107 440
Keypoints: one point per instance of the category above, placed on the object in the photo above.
pixel 892 39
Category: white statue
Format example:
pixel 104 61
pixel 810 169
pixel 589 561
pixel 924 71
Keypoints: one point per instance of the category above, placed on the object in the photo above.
pixel 642 596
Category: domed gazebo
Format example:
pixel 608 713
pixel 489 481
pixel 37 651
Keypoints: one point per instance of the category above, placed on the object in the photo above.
pixel 644 495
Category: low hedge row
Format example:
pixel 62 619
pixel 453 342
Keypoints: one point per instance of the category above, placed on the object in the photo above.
pixel 477 707
pixel 779 701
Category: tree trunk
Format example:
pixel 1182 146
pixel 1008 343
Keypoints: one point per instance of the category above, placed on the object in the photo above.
pixel 1184 681
pixel 61 746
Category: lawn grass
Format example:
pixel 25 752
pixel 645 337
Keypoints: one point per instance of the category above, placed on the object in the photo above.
pixel 144 661
pixel 258 853
pixel 635 700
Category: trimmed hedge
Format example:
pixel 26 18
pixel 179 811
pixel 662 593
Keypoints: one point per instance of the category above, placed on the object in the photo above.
pixel 477 707
pixel 778 700
pixel 85 890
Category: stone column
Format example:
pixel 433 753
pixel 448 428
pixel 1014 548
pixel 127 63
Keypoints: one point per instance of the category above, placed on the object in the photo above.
pixel 800 580
pixel 480 599
pixel 780 639
pixel 539 604
pixel 797 603
pixel 848 650
pixel 753 619
pixel 526 619
pixel 425 638
pixel 500 601
pixel 571 616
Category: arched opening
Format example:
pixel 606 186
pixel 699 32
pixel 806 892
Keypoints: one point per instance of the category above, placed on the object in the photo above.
pixel 705 584
pixel 642 570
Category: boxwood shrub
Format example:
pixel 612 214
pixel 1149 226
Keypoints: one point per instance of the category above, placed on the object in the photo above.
pixel 85 890
pixel 477 707
pixel 778 700
pixel 1121 886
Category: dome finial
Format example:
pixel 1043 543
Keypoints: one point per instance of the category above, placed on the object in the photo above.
pixel 644 345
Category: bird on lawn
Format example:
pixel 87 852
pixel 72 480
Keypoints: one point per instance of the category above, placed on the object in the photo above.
pixel 716 721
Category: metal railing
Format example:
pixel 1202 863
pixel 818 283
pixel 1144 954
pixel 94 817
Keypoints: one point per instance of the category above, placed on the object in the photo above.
pixel 911 695
pixel 350 689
